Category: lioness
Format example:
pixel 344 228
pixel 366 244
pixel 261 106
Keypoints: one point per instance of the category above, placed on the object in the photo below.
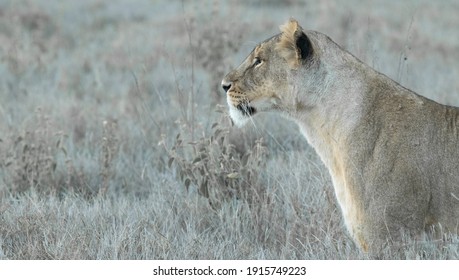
pixel 393 155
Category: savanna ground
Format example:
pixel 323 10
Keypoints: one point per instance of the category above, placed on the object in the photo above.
pixel 114 143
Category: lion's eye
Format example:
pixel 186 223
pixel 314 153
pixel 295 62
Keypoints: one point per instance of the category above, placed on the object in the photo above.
pixel 257 61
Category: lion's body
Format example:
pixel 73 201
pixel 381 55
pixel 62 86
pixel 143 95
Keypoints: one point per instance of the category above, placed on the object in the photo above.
pixel 393 155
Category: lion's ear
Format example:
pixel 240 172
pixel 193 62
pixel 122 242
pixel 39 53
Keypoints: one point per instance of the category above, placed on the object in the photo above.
pixel 294 46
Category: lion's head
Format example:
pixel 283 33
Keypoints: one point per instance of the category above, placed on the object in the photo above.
pixel 262 81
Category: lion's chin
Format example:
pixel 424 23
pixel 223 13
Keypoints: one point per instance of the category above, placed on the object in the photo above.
pixel 240 117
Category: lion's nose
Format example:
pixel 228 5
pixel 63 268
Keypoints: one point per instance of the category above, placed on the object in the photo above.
pixel 226 85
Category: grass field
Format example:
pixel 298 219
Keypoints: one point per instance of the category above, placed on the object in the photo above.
pixel 115 141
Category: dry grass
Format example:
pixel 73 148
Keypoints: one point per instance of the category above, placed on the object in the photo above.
pixel 213 165
pixel 111 146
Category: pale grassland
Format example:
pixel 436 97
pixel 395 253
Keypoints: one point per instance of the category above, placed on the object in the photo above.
pixel 111 146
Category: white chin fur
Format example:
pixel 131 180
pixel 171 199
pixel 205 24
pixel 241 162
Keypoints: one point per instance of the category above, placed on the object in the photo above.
pixel 238 117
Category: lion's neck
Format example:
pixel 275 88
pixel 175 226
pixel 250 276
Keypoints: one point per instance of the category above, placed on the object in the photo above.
pixel 328 127
pixel 337 110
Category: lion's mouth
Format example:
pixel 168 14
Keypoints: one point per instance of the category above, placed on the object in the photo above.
pixel 240 109
pixel 246 109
